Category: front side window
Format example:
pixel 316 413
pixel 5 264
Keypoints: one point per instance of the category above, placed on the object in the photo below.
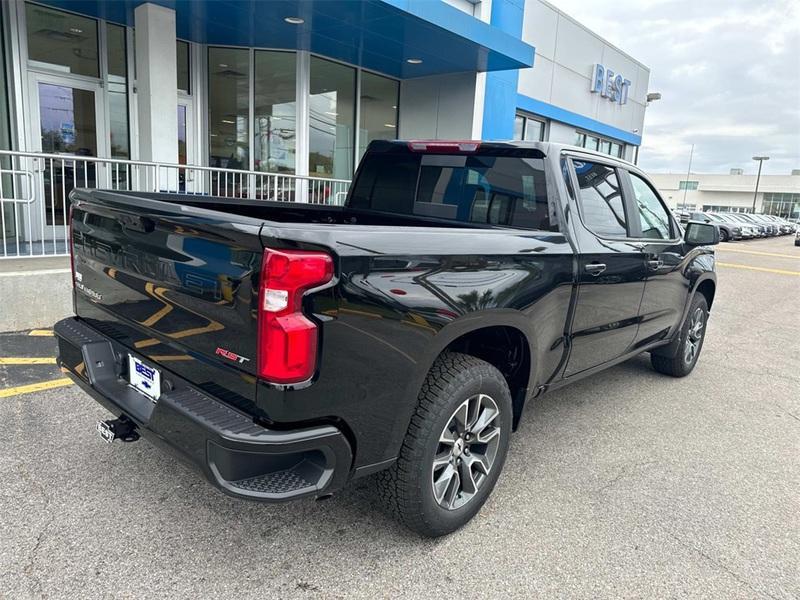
pixel 653 216
pixel 600 199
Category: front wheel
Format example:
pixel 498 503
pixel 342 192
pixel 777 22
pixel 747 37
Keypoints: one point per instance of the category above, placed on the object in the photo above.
pixel 682 361
pixel 454 449
pixel 723 235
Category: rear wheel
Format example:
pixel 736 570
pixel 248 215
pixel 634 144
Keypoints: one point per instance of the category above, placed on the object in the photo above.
pixel 684 357
pixel 454 449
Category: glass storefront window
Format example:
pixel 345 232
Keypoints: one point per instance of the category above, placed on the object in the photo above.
pixel 117 60
pixel 519 127
pixel 182 54
pixel 331 119
pixel 534 130
pixel 591 142
pixel 228 107
pixel 117 91
pixel 275 143
pixel 64 41
pixel 378 117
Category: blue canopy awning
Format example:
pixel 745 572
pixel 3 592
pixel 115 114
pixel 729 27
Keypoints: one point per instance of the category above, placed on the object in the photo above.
pixel 376 34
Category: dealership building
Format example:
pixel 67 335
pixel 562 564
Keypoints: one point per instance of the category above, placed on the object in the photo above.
pixel 736 192
pixel 278 100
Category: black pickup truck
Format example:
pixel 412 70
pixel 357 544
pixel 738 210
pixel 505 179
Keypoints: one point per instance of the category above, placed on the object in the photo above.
pixel 286 348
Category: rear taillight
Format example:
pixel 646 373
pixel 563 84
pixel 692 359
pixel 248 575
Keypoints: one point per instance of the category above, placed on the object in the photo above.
pixel 443 145
pixel 287 339
pixel 71 244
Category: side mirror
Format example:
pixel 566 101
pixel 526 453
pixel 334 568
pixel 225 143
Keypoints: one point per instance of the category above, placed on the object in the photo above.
pixel 701 234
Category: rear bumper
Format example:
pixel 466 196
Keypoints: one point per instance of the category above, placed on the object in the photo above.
pixel 237 455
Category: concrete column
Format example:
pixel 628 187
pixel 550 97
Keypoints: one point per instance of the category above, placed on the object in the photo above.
pixel 157 95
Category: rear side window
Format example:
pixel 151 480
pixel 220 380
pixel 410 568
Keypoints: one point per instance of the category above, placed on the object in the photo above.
pixel 600 199
pixel 470 188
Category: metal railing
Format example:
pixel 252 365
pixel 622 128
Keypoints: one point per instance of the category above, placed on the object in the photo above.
pixel 35 188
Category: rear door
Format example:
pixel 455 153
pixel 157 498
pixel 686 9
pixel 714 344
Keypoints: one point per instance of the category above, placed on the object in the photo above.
pixel 611 271
pixel 666 287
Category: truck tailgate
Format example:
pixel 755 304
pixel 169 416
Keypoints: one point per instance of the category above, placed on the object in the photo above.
pixel 177 284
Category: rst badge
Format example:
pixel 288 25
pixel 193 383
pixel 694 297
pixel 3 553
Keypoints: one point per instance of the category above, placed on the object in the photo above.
pixel 231 356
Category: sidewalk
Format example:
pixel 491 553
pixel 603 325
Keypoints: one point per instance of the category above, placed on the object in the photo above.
pixel 36 292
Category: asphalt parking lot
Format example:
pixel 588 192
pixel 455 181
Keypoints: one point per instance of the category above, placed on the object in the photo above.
pixel 628 484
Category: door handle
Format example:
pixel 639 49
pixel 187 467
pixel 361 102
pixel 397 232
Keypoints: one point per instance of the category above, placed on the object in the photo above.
pixel 594 268
pixel 655 264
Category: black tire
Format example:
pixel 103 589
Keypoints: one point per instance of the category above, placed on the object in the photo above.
pixel 723 235
pixel 407 488
pixel 678 362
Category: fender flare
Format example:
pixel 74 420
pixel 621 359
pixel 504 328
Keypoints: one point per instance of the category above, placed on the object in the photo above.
pixel 474 321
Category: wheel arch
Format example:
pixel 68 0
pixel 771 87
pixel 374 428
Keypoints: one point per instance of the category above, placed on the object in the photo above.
pixel 708 288
pixel 508 350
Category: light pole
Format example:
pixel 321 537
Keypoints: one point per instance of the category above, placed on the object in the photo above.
pixel 688 174
pixel 760 160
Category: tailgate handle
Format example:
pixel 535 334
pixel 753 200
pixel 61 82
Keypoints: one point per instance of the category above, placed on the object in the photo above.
pixel 136 223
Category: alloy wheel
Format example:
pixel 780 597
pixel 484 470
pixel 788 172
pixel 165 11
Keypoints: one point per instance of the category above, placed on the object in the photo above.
pixel 466 452
pixel 694 336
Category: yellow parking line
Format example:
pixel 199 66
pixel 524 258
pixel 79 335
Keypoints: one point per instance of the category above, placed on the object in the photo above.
pixel 41 332
pixel 25 360
pixel 35 387
pixel 739 250
pixel 765 270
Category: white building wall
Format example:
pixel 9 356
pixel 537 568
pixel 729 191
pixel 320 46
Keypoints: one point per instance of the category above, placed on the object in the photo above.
pixel 566 52
pixel 438 107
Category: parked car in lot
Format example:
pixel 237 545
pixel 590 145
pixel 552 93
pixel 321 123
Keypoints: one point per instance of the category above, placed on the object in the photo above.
pixel 727 230
pixel 784 227
pixel 286 349
pixel 797 237
pixel 748 230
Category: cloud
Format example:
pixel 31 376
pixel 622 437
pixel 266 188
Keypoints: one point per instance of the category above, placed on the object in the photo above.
pixel 728 72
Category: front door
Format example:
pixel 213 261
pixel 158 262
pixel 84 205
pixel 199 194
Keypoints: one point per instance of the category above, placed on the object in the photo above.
pixel 611 271
pixel 663 251
pixel 67 119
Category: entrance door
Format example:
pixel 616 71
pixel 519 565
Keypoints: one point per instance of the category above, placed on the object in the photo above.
pixel 67 119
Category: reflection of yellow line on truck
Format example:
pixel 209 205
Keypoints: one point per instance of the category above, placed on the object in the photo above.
pixel 26 360
pixel 35 387
pixel 161 312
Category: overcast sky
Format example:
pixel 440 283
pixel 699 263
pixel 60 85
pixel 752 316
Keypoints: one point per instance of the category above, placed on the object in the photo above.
pixel 729 73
